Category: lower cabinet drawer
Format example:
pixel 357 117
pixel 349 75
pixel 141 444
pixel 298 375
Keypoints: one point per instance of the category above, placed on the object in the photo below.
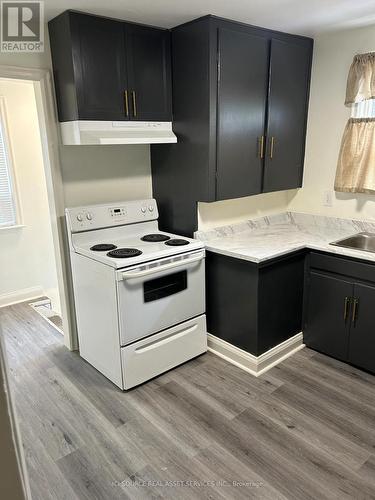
pixel 344 266
pixel 158 353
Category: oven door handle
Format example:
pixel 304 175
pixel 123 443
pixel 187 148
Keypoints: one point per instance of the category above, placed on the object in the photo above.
pixel 147 272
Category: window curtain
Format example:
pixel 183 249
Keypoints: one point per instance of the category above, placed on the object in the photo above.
pixel 356 164
pixel 361 79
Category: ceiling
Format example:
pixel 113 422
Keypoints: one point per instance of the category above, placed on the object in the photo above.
pixel 305 17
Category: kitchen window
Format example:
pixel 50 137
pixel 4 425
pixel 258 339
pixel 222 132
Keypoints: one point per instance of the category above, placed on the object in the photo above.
pixel 9 213
pixel 364 109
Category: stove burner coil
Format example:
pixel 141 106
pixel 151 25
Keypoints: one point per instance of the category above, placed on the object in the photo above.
pixel 122 253
pixel 155 238
pixel 176 242
pixel 103 247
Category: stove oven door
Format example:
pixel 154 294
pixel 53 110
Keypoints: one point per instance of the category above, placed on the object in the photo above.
pixel 160 294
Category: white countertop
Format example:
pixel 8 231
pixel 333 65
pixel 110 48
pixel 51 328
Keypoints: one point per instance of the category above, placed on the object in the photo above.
pixel 259 240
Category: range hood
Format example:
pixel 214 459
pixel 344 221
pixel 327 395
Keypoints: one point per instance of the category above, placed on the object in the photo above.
pixel 83 132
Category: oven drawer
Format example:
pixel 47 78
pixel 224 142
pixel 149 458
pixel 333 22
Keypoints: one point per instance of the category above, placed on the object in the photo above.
pixel 154 355
pixel 157 295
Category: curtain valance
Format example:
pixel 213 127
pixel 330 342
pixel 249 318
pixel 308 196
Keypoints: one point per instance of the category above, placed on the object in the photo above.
pixel 361 79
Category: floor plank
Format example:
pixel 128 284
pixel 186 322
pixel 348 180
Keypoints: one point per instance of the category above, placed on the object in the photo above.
pixel 206 430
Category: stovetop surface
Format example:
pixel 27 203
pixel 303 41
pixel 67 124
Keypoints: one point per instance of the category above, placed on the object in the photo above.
pixel 130 237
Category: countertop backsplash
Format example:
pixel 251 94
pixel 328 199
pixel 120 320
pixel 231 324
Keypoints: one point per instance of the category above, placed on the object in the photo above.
pixel 271 236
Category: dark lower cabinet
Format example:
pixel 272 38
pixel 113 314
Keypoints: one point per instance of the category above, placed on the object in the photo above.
pixel 339 316
pixel 231 305
pixel 328 315
pixel 362 330
pixel 254 306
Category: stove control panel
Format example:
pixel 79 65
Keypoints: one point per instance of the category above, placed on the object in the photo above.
pixel 108 215
pixel 118 212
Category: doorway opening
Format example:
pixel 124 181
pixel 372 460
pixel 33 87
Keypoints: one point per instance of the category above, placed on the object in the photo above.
pixel 33 266
pixel 28 270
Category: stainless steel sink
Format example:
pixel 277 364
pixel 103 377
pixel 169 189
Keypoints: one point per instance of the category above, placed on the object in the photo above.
pixel 359 241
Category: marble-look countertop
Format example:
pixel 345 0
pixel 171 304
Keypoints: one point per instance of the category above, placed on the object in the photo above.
pixel 265 238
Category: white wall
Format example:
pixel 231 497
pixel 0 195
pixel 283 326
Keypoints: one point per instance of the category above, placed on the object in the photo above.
pixel 27 259
pixel 333 54
pixel 99 174
pixel 226 212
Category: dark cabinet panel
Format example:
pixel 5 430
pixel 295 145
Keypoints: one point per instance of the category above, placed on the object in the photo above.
pixel 106 69
pixel 362 332
pixel 232 300
pixel 242 94
pixel 328 315
pixel 100 67
pixel 280 300
pixel 287 114
pixel 150 89
pixel 254 307
pixel 184 173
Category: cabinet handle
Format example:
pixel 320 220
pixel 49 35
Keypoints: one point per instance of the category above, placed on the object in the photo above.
pixel 134 103
pixel 355 310
pixel 346 307
pixel 261 147
pixel 126 102
pixel 272 146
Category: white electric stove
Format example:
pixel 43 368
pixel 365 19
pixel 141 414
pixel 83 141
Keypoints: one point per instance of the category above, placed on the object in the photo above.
pixel 139 293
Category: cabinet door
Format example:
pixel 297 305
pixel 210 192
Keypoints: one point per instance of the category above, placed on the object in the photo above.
pixel 242 94
pixel 287 113
pixel 100 67
pixel 328 315
pixel 362 331
pixel 149 56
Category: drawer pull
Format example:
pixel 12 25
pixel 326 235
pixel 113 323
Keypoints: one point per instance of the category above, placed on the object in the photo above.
pixel 355 310
pixel 346 307
pixel 126 102
pixel 261 147
pixel 134 99
pixel 272 147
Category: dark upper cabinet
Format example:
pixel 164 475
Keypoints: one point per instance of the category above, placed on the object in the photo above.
pixel 100 71
pixel 362 338
pixel 288 86
pixel 242 96
pixel 328 315
pixel 149 57
pixel 235 87
pixel 106 69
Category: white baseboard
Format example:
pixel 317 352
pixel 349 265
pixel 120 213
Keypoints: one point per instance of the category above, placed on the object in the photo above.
pixel 256 365
pixel 8 299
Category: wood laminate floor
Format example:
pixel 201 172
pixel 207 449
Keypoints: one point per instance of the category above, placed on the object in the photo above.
pixel 305 430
